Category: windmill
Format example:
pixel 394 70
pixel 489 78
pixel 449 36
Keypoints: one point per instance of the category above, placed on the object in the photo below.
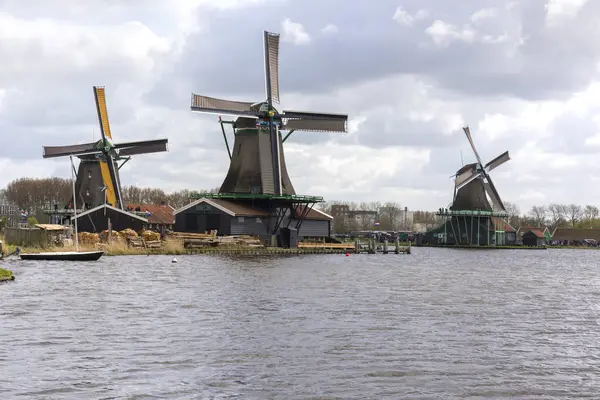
pixel 473 182
pixel 471 220
pixel 257 163
pixel 97 178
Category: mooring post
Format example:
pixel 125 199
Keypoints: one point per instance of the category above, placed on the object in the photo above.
pixel 356 246
pixel 408 248
pixel 385 246
pixel 397 244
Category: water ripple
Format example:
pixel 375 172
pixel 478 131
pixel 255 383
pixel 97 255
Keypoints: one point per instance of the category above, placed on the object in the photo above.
pixel 435 324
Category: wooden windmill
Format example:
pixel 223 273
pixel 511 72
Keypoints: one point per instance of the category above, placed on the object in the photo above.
pixel 97 179
pixel 257 161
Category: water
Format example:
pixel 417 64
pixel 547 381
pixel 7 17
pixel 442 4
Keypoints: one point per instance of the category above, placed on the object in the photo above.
pixel 437 323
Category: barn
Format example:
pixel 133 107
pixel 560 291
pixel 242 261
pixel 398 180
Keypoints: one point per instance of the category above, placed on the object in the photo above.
pixel 235 217
pixel 533 238
pixel 95 220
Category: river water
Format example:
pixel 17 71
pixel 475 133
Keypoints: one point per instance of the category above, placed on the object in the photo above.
pixel 435 324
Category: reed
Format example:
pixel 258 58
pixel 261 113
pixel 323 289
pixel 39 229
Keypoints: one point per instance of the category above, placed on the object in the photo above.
pixel 115 248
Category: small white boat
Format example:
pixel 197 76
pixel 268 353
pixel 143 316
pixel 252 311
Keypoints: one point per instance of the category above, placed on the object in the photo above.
pixel 63 255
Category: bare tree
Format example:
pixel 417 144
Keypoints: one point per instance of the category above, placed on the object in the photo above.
pixel 590 213
pixel 514 217
pixel 574 213
pixel 539 214
pixel 557 214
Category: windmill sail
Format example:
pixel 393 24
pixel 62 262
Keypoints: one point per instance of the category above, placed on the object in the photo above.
pixel 272 66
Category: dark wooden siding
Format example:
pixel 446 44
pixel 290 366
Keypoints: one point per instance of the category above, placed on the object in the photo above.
pixel 97 221
pixel 203 218
pixel 250 226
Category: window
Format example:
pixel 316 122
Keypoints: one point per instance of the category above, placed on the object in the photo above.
pixel 258 221
pixel 241 219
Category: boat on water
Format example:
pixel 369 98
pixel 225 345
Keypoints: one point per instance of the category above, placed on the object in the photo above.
pixel 64 256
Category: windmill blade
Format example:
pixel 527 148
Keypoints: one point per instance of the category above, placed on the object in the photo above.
pixel 72 150
pixel 468 133
pixel 219 106
pixel 287 114
pixel 466 179
pixel 271 41
pixel 100 97
pixel 142 147
pixel 315 125
pixel 498 161
pixel 493 193
pixel 110 178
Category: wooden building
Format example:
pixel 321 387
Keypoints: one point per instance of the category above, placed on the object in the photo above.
pixel 543 229
pixel 95 220
pixel 232 217
pixel 533 237
pixel 160 217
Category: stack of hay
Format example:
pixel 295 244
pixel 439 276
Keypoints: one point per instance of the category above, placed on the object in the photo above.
pixel 128 233
pixel 150 236
pixel 104 235
pixel 88 238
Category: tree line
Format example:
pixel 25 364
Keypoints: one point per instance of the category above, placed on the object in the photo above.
pixel 33 195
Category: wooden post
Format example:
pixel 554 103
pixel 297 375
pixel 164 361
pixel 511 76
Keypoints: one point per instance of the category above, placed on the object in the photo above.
pixel 385 246
pixel 356 246
pixel 397 250
pixel 109 239
pixel 408 248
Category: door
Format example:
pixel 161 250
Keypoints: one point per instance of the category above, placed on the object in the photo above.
pixel 213 222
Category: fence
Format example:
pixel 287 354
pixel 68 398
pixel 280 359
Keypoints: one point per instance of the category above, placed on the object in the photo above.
pixel 33 237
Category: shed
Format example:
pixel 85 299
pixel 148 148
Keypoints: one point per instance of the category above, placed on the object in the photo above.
pixel 544 229
pixel 237 217
pixel 533 238
pixel 95 220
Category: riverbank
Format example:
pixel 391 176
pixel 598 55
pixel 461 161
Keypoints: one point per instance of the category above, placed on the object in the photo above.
pixel 173 247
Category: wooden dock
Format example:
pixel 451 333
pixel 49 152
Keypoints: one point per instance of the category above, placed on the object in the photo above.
pixel 370 247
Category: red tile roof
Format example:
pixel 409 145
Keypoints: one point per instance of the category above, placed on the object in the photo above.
pixel 536 232
pixel 159 214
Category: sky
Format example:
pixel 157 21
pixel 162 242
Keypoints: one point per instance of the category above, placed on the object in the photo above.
pixel 523 75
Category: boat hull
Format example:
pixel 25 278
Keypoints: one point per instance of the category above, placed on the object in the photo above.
pixel 64 256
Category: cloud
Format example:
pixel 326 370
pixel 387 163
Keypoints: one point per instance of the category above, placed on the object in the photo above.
pixel 405 18
pixel 294 32
pixel 483 14
pixel 409 83
pixel 557 10
pixel 443 33
pixel 330 29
